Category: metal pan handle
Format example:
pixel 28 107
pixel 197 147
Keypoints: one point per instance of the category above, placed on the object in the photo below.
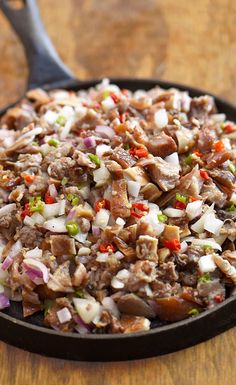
pixel 45 66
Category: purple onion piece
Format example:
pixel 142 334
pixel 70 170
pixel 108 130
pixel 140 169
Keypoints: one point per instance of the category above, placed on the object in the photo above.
pixel 4 301
pixel 90 141
pixel 7 262
pixel 96 231
pixel 105 131
pixel 81 326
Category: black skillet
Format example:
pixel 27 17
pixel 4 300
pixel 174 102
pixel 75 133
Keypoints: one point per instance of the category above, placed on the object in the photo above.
pixel 47 71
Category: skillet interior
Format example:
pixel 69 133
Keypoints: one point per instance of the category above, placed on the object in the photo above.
pixel 30 335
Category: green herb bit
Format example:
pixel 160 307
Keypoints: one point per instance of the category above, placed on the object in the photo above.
pixel 36 204
pixel 205 278
pixel 105 94
pixel 64 181
pixel 207 248
pixel 61 120
pixel 74 199
pixel 180 197
pixel 79 293
pixel 231 208
pixel 193 312
pixel 47 305
pixel 232 168
pixel 162 218
pixel 54 142
pixel 188 160
pixel 95 159
pixel 35 144
pixel 73 228
pixel 126 146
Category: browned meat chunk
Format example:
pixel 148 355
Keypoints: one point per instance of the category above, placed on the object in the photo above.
pixel 51 319
pixel 206 138
pixel 114 168
pixel 132 304
pixel 201 107
pixel 223 177
pixel 61 168
pixel 132 324
pixel 212 194
pixel 150 192
pixel 80 275
pixel 30 237
pixel 166 176
pixel 142 272
pixel 18 117
pixel 61 279
pixel 173 308
pixel 31 302
pixel 161 145
pixel 208 290
pixel 138 174
pixel 146 248
pixel 120 206
pixel 83 160
pixel 127 250
pixel 217 158
pixel 167 272
pixel 62 245
pixel 8 225
pixel 123 157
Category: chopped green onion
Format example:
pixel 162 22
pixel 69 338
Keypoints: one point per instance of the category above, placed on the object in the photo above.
pixel 232 168
pixel 105 94
pixel 126 146
pixel 181 198
pixel 36 204
pixel 205 278
pixel 64 181
pixel 162 218
pixel 74 199
pixel 95 159
pixel 53 142
pixel 72 228
pixel 189 159
pixel 193 312
pixel 207 248
pixel 61 120
pixel 231 208
pixel 79 293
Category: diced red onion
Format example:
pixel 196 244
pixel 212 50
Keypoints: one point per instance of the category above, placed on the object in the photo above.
pixel 96 231
pixel 87 309
pixel 81 327
pixel 52 190
pixel 4 301
pixel 35 275
pixel 110 305
pixel 105 131
pixel 34 253
pixel 34 263
pixel 119 255
pixel 7 209
pixel 90 142
pixel 15 249
pixel 64 315
pixel 81 237
pixel 71 215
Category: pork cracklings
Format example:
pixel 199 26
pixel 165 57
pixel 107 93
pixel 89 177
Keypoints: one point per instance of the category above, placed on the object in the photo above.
pixel 117 208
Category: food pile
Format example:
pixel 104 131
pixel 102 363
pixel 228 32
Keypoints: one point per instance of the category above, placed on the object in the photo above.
pixel 116 207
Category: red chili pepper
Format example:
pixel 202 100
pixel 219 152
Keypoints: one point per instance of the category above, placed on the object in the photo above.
pixel 26 211
pixel 218 146
pixel 82 133
pixel 228 128
pixel 123 117
pixel 218 298
pixel 193 199
pixel 115 98
pixel 204 174
pixel 106 247
pixel 140 206
pixel 29 178
pixel 180 205
pixel 197 153
pixel 49 199
pixel 102 204
pixel 139 152
pixel 172 244
pixel 136 215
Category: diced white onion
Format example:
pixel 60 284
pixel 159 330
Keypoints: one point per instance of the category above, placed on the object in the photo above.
pixel 34 253
pixel 102 218
pixel 161 118
pixel 66 129
pixel 233 198
pixel 108 104
pixel 62 207
pixel 28 221
pixel 7 209
pixel 101 174
pixel 119 255
pixel 64 315
pixel 194 209
pixel 88 310
pixel 110 305
pixel 123 275
pixel 218 118
pixel 51 210
pixel 56 225
pixel 120 221
pixel 67 112
pixel 81 237
pixel 50 116
pixel 183 246
pixel 212 224
pixel 102 257
pixel 173 213
pixel 198 226
pixel 173 159
pixel 116 283
pixel 102 149
pixel 206 242
pixel 206 264
pixel 226 143
pixel 52 190
pixel 133 188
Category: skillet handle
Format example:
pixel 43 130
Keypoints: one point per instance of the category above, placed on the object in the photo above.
pixel 45 66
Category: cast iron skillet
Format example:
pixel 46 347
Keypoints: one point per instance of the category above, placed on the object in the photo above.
pixel 47 71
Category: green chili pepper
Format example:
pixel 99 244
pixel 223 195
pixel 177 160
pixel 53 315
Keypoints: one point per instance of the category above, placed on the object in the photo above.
pixel 74 199
pixel 53 142
pixel 36 204
pixel 207 248
pixel 193 312
pixel 79 293
pixel 64 181
pixel 73 228
pixel 232 168
pixel 181 198
pixel 188 160
pixel 205 278
pixel 126 146
pixel 162 218
pixel 61 120
pixel 95 159
pixel 231 208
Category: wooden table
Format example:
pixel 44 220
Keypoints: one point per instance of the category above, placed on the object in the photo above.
pixel 192 42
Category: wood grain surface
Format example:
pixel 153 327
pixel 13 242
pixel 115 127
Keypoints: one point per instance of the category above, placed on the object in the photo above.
pixel 191 42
